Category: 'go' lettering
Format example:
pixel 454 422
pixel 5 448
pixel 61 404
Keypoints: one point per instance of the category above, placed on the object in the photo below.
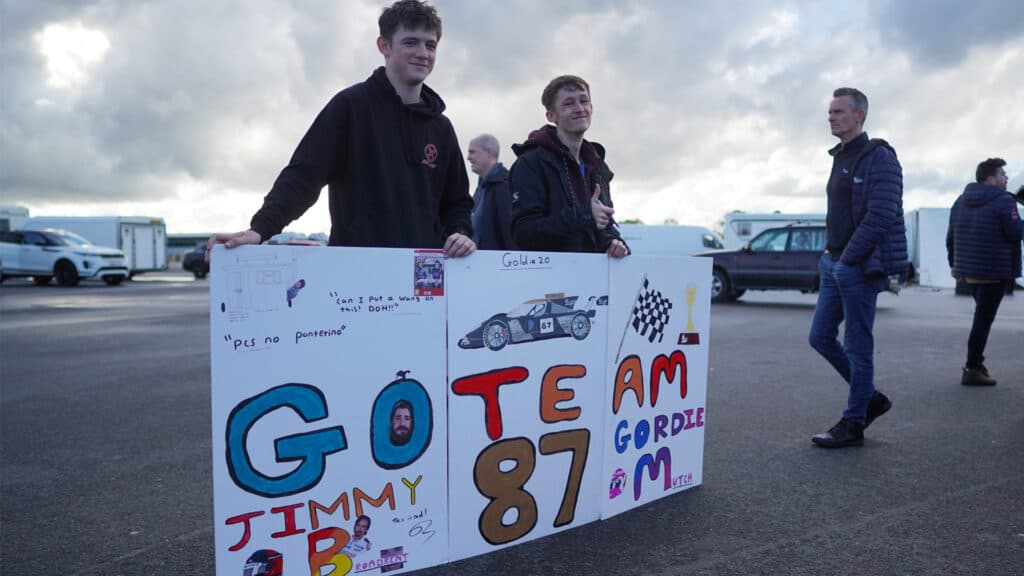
pixel 309 448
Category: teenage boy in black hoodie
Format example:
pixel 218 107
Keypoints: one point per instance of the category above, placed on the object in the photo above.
pixel 560 196
pixel 388 155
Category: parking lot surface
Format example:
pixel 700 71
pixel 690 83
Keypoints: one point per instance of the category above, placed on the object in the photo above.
pixel 105 446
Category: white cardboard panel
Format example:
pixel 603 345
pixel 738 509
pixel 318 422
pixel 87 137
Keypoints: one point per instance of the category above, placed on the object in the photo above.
pixel 311 349
pixel 657 379
pixel 529 466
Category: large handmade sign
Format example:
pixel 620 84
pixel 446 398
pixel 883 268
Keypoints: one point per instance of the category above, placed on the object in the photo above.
pixel 389 410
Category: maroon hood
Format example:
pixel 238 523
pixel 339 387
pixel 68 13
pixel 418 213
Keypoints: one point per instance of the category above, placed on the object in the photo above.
pixel 547 137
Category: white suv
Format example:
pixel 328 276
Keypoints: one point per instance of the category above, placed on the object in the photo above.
pixel 45 254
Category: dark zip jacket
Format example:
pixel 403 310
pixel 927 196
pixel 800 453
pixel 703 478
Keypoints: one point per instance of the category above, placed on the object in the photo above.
pixel 492 212
pixel 878 245
pixel 983 240
pixel 394 172
pixel 551 200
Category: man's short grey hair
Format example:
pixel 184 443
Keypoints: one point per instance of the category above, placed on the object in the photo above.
pixel 860 101
pixel 489 143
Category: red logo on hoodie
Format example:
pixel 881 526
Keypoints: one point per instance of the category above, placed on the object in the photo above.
pixel 430 155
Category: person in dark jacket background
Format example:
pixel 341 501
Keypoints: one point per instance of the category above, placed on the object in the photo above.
pixel 387 153
pixel 983 243
pixel 561 201
pixel 492 201
pixel 865 244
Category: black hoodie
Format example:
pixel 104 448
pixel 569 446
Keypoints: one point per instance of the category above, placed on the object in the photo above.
pixel 394 172
pixel 550 200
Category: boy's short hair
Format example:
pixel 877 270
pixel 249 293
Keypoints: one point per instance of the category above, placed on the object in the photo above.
pixel 988 168
pixel 547 98
pixel 412 14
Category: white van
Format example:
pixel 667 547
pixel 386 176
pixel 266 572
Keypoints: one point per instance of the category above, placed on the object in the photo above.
pixel 669 240
pixel 740 227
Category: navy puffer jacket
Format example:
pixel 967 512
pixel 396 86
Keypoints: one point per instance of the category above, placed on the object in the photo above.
pixel 879 242
pixel 984 235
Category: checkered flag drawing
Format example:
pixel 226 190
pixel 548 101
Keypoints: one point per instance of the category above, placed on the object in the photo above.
pixel 651 312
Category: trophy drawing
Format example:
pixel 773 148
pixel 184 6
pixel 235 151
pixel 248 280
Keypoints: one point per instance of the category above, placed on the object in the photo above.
pixel 691 336
pixel 691 297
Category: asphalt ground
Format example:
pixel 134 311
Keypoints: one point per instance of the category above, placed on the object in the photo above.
pixel 105 447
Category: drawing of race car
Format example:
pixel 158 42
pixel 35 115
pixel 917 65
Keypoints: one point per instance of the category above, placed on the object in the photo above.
pixel 553 316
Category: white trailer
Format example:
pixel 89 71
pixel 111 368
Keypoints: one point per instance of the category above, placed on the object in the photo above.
pixel 669 240
pixel 740 228
pixel 142 239
pixel 12 217
pixel 926 246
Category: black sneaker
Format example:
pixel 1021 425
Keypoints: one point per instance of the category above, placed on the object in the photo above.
pixel 879 404
pixel 843 434
pixel 976 377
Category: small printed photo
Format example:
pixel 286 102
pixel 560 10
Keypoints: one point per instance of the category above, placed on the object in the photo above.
pixel 264 563
pixel 428 273
pixel 392 559
pixel 358 543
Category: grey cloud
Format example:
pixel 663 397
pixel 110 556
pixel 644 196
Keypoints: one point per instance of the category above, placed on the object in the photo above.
pixel 683 92
pixel 175 96
pixel 940 33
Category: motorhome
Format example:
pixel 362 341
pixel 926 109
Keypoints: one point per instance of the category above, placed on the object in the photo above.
pixel 142 239
pixel 739 227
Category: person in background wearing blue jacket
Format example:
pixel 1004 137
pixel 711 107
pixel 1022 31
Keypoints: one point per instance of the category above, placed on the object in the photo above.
pixel 386 152
pixel 983 243
pixel 492 201
pixel 866 243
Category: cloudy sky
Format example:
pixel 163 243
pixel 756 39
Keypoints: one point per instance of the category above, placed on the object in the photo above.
pixel 188 109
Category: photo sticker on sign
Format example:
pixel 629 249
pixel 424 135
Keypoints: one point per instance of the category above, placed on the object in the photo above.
pixel 428 273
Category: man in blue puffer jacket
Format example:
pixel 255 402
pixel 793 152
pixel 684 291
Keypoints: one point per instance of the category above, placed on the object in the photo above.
pixel 983 245
pixel 866 243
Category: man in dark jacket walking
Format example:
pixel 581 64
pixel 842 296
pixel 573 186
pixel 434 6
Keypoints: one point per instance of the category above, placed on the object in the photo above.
pixel 865 244
pixel 983 243
pixel 560 196
pixel 492 201
pixel 385 150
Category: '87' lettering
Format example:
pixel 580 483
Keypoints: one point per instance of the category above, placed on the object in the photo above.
pixel 505 488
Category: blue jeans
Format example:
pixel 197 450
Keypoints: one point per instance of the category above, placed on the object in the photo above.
pixel 845 294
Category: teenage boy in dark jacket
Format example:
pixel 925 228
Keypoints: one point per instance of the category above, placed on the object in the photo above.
pixel 560 196
pixel 865 244
pixel 385 150
pixel 983 245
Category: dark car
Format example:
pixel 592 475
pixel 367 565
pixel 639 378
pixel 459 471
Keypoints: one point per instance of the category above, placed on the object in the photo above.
pixel 195 261
pixel 783 258
pixel 553 316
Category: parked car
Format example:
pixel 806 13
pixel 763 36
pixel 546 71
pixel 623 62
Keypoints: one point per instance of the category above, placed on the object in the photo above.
pixel 553 316
pixel 784 258
pixel 195 261
pixel 295 239
pixel 49 253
